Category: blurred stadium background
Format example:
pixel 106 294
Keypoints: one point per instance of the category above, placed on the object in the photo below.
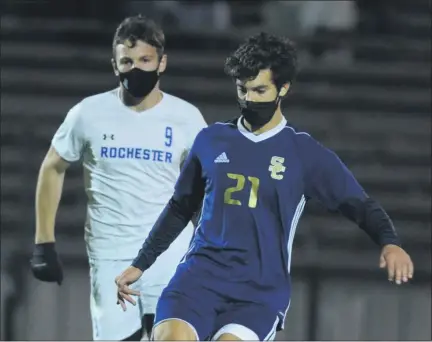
pixel 363 90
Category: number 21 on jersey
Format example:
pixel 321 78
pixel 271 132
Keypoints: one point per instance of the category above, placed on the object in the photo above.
pixel 276 169
pixel 241 180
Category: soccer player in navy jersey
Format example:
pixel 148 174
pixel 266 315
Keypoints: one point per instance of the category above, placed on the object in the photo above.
pixel 254 176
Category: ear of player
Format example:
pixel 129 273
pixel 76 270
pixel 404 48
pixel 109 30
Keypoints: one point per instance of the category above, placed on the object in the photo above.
pixel 45 263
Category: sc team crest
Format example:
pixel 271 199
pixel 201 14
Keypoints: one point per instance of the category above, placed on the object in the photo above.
pixel 277 168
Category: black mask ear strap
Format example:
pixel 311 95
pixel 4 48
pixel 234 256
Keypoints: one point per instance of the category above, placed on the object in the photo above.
pixel 243 123
pixel 278 96
pixel 278 99
pixel 157 68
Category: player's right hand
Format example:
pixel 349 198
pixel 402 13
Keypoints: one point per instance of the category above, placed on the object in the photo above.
pixel 124 292
pixel 45 263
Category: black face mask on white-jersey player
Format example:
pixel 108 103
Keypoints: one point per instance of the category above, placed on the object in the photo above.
pixel 139 83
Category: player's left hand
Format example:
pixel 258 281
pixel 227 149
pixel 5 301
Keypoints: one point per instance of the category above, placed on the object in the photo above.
pixel 399 266
pixel 45 263
pixel 124 292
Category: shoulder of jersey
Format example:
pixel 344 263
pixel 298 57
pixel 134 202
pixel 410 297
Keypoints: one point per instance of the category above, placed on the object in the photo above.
pixel 181 106
pixel 293 131
pixel 99 98
pixel 218 127
pixel 95 103
pixel 232 123
pixel 301 138
pixel 228 124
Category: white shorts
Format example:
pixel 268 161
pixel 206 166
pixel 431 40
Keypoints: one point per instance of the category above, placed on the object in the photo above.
pixel 109 321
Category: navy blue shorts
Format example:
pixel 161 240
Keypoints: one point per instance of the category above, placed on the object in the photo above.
pixel 211 313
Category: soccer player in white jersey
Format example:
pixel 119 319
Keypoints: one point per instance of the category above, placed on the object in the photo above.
pixel 132 141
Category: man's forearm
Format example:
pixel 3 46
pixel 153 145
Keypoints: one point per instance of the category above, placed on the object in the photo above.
pixel 48 194
pixel 173 219
pixel 372 218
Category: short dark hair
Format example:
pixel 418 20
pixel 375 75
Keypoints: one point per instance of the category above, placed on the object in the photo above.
pixel 264 51
pixel 140 28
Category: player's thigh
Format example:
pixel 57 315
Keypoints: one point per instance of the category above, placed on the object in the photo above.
pixel 247 322
pixel 180 314
pixel 108 319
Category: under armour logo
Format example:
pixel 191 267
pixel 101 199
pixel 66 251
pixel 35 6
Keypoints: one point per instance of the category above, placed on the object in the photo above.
pixel 106 136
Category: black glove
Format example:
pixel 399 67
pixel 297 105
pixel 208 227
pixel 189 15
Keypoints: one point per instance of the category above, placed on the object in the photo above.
pixel 45 263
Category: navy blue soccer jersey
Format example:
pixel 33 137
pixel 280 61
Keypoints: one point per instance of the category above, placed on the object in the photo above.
pixel 255 188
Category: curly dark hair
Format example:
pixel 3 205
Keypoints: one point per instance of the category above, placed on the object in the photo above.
pixel 140 28
pixel 264 51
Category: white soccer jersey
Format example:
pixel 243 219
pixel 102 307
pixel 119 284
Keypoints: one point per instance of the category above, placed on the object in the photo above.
pixel 131 163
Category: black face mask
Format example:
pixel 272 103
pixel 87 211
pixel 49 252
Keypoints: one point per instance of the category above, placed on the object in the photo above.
pixel 139 83
pixel 257 114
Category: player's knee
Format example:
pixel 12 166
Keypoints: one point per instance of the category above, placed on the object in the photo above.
pixel 228 337
pixel 235 332
pixel 174 330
